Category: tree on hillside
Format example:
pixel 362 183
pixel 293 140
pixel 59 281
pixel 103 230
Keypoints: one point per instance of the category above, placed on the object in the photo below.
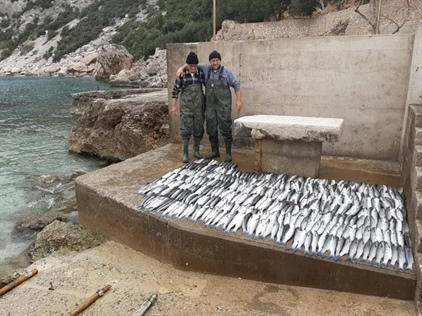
pixel 249 11
pixel 303 7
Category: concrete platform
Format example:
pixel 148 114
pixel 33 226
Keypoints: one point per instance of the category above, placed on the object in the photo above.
pixel 107 202
pixel 289 144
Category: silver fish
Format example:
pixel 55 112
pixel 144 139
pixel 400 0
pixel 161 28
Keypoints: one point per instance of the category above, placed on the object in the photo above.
pixel 299 239
pixel 236 223
pixel 353 249
pixel 252 224
pixel 366 250
pixel 388 253
pixel 409 258
pixel 308 242
pixel 288 235
pixel 401 258
pixel 394 256
pixel 380 254
pixel 314 242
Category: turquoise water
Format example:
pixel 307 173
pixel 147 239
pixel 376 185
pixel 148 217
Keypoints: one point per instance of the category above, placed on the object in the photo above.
pixel 35 122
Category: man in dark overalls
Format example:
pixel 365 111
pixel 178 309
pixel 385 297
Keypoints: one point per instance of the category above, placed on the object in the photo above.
pixel 218 114
pixel 192 105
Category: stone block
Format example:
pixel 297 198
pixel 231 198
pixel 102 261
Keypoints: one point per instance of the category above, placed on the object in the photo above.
pixel 280 127
pixel 288 157
pixel 289 144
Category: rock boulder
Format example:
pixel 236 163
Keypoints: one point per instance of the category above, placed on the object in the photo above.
pixel 111 59
pixel 117 129
pixel 149 74
pixel 62 238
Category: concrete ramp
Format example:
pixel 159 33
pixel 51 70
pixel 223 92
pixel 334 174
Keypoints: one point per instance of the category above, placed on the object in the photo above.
pixel 107 202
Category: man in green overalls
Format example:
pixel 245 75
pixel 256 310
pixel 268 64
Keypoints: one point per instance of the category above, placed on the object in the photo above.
pixel 192 105
pixel 218 113
pixel 218 80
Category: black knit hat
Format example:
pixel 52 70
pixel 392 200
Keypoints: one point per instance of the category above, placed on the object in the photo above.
pixel 214 54
pixel 192 59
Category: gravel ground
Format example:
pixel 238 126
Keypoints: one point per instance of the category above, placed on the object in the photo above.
pixel 135 277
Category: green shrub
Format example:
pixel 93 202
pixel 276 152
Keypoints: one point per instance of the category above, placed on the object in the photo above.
pixel 303 7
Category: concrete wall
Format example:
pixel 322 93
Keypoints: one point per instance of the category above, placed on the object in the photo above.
pixel 363 79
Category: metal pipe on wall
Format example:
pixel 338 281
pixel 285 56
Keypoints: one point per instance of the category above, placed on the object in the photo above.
pixel 214 19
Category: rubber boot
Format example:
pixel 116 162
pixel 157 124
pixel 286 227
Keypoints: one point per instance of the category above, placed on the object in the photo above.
pixel 196 153
pixel 228 152
pixel 185 155
pixel 215 151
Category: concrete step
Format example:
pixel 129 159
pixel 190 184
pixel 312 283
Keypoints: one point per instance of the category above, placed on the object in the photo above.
pixel 418 156
pixel 416 178
pixel 418 236
pixel 416 111
pixel 417 202
pixel 418 136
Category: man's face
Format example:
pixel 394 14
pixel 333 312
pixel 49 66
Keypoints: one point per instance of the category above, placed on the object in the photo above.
pixel 192 68
pixel 215 63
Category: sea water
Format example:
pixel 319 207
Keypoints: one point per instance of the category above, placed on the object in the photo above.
pixel 35 122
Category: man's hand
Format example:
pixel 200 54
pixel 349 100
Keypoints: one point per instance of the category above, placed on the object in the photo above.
pixel 238 102
pixel 174 109
pixel 181 70
pixel 238 105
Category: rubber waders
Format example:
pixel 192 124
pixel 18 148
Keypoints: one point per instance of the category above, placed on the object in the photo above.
pixel 215 151
pixel 228 152
pixel 196 153
pixel 185 155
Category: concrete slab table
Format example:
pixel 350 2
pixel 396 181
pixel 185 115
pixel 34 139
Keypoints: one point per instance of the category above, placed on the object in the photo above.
pixel 290 144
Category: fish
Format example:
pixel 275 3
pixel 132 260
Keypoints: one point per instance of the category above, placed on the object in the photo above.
pixel 353 249
pixel 366 250
pixel 394 257
pixel 401 258
pixel 359 250
pixel 388 253
pixel 321 242
pixel 188 211
pixel 332 248
pixel 308 242
pixel 380 254
pixel 298 240
pixel 366 223
pixel 409 258
pixel 288 235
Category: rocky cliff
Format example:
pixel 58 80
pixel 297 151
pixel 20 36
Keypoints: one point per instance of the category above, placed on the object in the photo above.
pixel 116 127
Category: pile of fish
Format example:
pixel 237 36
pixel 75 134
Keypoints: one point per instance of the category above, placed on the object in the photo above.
pixel 339 220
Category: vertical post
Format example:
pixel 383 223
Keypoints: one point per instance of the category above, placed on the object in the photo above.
pixel 214 14
pixel 377 27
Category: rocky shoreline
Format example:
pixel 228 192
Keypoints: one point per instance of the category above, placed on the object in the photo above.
pixel 49 230
pixel 143 125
